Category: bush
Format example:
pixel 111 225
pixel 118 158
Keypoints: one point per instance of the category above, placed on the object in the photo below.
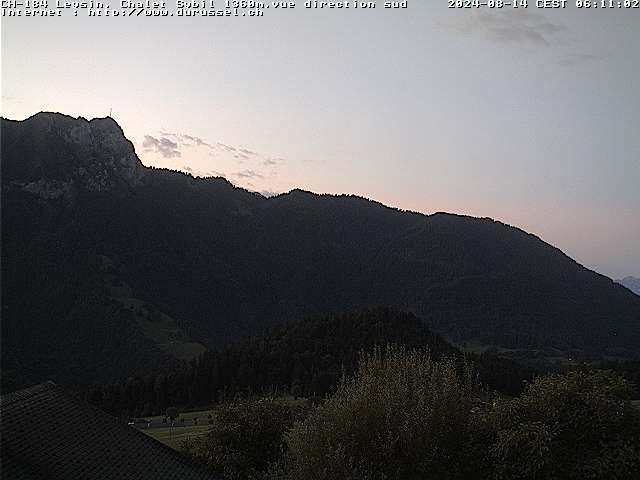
pixel 246 438
pixel 580 425
pixel 402 416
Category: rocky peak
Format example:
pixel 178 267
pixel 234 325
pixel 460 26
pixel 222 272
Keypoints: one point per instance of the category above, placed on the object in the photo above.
pixel 50 154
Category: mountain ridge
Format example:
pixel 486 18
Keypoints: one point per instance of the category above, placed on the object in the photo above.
pixel 92 233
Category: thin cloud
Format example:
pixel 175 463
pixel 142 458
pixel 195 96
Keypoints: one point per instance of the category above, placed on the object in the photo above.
pixel 246 174
pixel 573 59
pixel 247 152
pixel 516 27
pixel 239 153
pixel 163 146
pixel 196 140
pixel 187 140
pixel 270 162
pixel 250 163
pixel 228 148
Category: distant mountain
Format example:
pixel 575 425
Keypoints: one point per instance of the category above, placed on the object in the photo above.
pixel 632 283
pixel 110 267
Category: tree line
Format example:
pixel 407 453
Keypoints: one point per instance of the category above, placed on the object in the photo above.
pixel 305 358
pixel 402 415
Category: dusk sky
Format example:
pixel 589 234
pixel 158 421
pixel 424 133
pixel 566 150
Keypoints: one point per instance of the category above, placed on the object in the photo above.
pixel 530 116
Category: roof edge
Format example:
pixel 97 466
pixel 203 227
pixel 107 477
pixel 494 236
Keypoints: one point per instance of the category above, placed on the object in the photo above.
pixel 26 393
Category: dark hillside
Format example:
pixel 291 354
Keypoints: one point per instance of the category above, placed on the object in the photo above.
pixel 306 358
pixel 110 267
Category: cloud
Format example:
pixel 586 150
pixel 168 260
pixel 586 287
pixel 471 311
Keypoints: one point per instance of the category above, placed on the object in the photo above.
pixel 228 148
pixel 250 163
pixel 187 140
pixel 241 156
pixel 270 162
pixel 516 27
pixel 248 152
pixel 196 140
pixel 248 174
pixel 162 145
pixel 573 59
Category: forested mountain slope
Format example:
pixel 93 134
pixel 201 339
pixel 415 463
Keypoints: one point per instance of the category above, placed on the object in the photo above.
pixel 110 267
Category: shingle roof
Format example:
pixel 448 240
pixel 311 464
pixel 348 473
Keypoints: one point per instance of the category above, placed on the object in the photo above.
pixel 47 433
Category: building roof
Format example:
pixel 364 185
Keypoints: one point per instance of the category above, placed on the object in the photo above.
pixel 46 433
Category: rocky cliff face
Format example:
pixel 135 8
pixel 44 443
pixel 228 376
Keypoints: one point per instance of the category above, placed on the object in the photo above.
pixel 53 155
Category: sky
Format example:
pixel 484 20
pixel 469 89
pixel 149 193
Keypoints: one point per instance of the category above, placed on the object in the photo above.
pixel 528 116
